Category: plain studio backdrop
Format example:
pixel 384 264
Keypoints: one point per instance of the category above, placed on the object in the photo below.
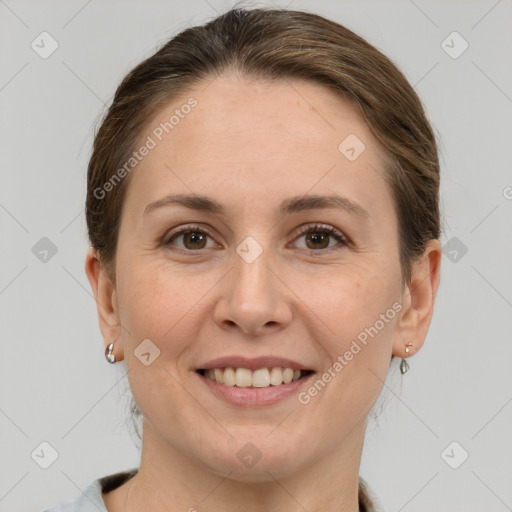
pixel 442 441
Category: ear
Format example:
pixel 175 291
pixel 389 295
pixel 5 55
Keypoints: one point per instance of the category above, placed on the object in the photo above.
pixel 418 301
pixel 106 301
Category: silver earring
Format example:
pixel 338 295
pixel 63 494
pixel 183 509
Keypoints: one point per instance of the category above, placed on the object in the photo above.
pixel 111 358
pixel 403 365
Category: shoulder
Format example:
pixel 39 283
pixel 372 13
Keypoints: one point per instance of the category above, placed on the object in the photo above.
pixel 368 500
pixel 91 499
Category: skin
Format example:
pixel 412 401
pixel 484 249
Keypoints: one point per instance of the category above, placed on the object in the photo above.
pixel 249 145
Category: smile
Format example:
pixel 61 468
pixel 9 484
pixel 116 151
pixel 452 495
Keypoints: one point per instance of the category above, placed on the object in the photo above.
pixel 259 378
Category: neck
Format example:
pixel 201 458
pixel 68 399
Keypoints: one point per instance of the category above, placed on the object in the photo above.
pixel 169 480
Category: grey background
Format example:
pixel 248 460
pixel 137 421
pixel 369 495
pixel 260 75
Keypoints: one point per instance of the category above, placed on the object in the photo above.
pixel 55 385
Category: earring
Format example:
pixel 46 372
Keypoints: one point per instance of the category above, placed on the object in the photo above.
pixel 111 358
pixel 403 365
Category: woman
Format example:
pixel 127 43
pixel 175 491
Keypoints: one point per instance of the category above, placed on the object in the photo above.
pixel 263 213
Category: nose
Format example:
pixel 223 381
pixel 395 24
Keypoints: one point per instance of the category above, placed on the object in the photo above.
pixel 253 298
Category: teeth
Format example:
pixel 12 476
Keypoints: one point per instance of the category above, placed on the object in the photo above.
pixel 261 378
pixel 243 377
pixel 287 375
pixel 218 375
pixel 228 376
pixel 276 376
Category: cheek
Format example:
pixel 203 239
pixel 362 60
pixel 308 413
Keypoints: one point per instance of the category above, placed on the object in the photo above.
pixel 163 303
pixel 361 316
pixel 346 304
pixel 362 313
pixel 156 305
pixel 149 297
pixel 367 314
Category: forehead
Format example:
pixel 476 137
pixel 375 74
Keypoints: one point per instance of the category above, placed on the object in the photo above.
pixel 249 140
pixel 287 117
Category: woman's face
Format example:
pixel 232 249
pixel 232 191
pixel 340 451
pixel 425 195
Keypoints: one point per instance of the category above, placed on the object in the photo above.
pixel 258 277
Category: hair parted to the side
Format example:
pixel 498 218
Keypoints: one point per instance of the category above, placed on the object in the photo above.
pixel 275 44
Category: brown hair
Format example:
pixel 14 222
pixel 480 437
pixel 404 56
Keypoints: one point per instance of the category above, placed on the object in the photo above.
pixel 275 44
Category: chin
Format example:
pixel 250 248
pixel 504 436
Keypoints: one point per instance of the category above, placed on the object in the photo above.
pixel 256 458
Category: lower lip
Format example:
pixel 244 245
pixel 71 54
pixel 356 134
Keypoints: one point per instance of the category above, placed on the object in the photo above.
pixel 254 396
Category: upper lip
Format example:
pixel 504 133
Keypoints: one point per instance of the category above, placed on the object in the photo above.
pixel 252 363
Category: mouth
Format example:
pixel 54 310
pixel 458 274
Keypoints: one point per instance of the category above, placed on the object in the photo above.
pixel 253 382
pixel 259 378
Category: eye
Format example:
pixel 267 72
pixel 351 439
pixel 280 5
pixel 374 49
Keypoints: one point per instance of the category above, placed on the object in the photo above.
pixel 319 236
pixel 194 238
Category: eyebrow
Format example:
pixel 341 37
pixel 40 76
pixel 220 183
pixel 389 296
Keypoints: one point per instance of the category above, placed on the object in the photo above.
pixel 290 205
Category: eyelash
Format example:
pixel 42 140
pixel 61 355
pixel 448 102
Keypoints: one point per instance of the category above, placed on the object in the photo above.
pixel 310 228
